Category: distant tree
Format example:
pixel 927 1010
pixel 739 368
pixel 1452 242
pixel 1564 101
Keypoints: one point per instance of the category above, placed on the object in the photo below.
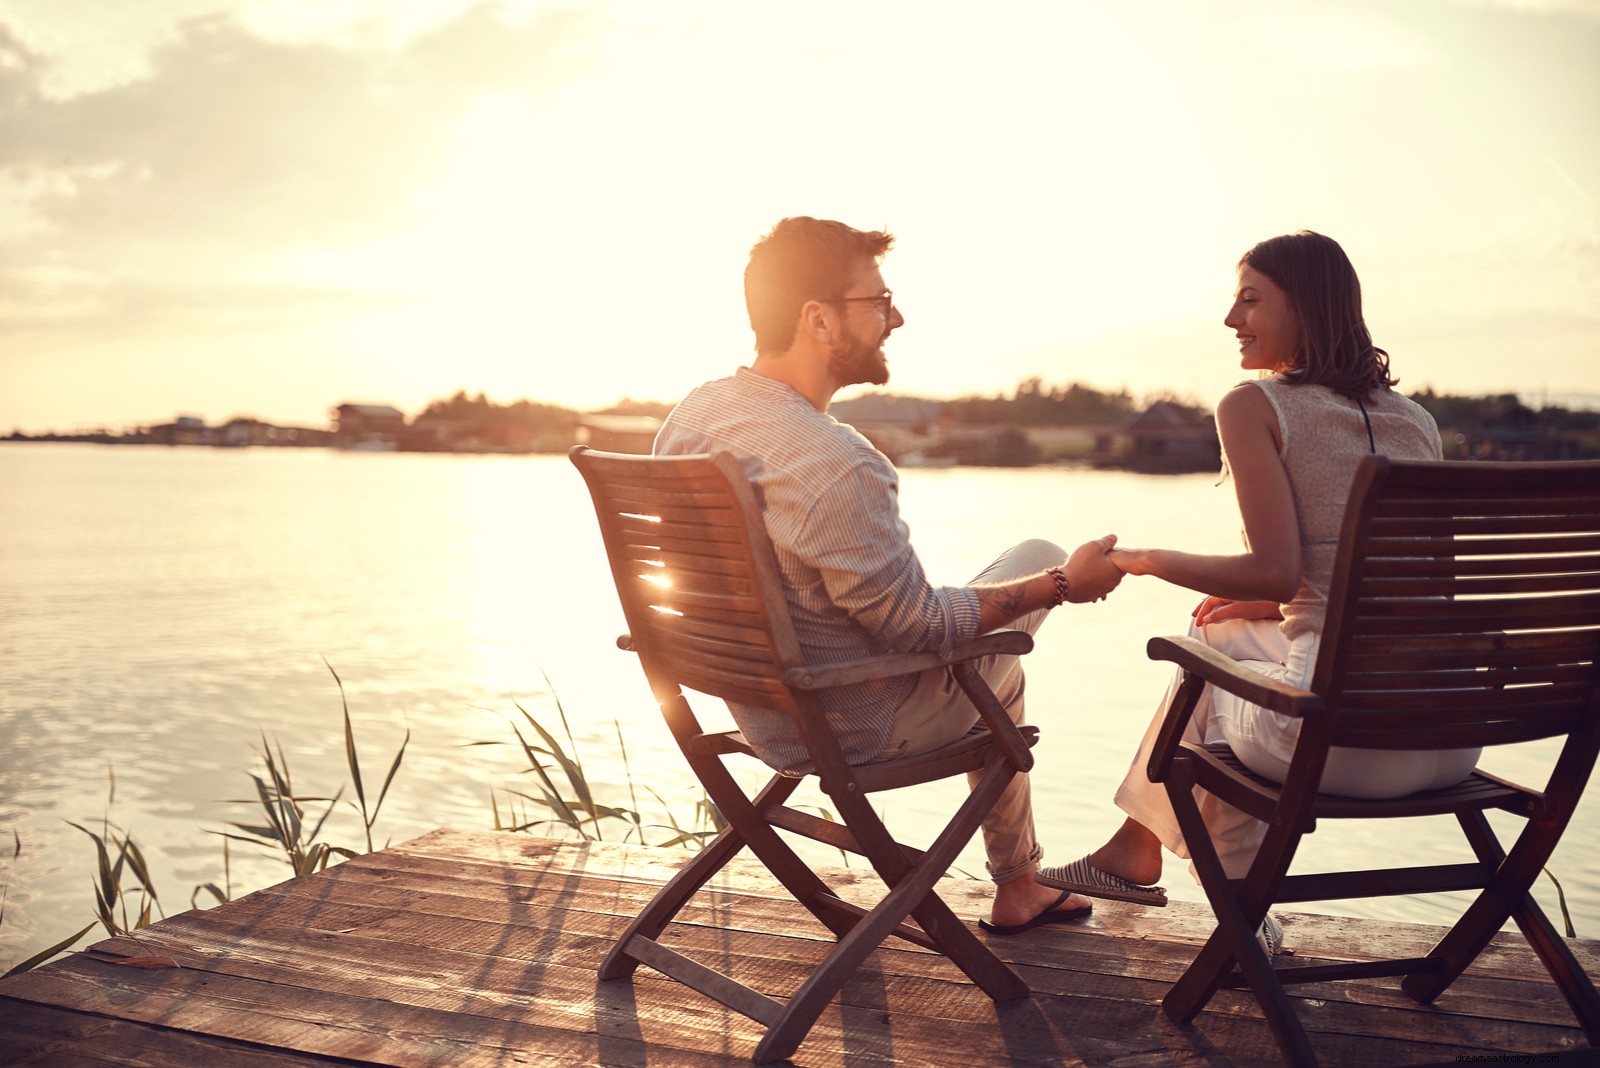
pixel 1455 411
pixel 1035 404
pixel 522 424
pixel 629 406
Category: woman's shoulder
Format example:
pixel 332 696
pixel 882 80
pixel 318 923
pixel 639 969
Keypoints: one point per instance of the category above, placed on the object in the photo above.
pixel 1295 398
pixel 1247 397
pixel 1387 396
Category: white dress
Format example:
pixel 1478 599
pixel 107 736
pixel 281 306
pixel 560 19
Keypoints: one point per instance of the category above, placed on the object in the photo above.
pixel 1324 436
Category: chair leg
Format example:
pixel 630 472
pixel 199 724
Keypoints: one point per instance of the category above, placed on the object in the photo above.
pixel 1507 897
pixel 912 891
pixel 655 916
pixel 672 897
pixel 1238 914
pixel 1570 978
pixel 807 1003
pixel 744 814
pixel 954 938
pixel 1210 968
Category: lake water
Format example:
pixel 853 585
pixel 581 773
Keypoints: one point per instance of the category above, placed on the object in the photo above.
pixel 160 608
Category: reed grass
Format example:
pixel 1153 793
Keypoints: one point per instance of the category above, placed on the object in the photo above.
pixel 570 805
pixel 290 828
pixel 116 854
pixel 111 899
pixel 1561 902
pixel 353 761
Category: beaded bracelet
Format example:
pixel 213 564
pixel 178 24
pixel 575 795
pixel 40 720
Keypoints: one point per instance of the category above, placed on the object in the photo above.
pixel 1063 588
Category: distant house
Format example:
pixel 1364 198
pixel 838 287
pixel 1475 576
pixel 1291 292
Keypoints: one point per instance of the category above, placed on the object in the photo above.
pixel 1167 437
pixel 243 430
pixel 987 446
pixel 367 426
pixel 184 430
pixel 905 429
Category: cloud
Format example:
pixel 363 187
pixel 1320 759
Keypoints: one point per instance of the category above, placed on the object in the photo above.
pixel 235 151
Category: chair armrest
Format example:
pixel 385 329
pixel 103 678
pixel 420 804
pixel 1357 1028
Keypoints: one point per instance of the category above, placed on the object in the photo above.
pixel 1204 664
pixel 1227 674
pixel 1009 642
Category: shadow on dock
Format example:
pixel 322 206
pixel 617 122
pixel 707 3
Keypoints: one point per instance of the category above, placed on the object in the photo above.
pixel 480 948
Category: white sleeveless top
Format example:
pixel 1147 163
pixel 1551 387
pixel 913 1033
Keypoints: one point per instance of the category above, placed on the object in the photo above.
pixel 1324 437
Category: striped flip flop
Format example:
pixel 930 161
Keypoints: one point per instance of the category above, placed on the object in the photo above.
pixel 1081 877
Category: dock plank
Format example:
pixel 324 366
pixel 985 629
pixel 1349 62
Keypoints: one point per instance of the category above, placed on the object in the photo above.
pixel 466 947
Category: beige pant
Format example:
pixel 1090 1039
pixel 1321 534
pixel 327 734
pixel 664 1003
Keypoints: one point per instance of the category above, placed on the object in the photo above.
pixel 937 713
pixel 1264 741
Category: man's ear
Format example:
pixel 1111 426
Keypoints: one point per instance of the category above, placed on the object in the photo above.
pixel 816 319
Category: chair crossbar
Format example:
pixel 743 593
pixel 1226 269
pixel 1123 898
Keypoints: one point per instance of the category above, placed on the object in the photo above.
pixel 722 743
pixel 828 832
pixel 1338 973
pixel 712 984
pixel 1382 882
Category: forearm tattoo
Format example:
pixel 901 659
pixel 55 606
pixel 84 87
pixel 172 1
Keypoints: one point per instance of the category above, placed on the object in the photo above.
pixel 1006 600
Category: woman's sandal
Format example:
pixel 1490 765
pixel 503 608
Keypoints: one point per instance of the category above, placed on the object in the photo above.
pixel 1269 936
pixel 1082 877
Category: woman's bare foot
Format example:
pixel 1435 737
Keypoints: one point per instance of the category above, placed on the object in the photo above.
pixel 1132 853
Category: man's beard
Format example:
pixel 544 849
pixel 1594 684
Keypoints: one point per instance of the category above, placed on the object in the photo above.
pixel 854 361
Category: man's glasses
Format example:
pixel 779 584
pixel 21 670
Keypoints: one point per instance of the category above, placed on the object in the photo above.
pixel 884 302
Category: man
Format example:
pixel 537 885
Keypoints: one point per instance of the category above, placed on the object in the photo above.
pixel 855 588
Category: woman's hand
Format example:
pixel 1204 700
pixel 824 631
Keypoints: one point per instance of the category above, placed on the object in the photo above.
pixel 1220 609
pixel 1131 561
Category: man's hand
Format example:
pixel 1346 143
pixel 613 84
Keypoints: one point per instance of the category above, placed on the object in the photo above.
pixel 1220 609
pixel 1090 573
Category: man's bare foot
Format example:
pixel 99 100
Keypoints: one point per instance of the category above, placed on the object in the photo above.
pixel 1021 900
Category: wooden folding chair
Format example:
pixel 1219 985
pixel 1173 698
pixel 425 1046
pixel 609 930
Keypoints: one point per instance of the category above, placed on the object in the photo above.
pixel 1464 611
pixel 705 609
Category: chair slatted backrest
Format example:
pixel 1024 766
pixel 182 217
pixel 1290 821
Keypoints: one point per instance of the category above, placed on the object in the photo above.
pixel 1465 605
pixel 696 575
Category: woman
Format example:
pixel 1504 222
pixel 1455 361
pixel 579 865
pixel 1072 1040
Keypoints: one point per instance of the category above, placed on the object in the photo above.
pixel 1291 441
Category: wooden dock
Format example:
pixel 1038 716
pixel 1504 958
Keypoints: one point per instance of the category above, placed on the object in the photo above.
pixel 467 948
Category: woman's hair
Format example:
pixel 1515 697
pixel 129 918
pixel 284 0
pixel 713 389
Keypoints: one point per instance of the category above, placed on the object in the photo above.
pixel 802 259
pixel 1336 350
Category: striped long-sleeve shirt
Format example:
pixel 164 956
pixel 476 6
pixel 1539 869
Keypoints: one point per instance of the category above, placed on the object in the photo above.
pixel 854 585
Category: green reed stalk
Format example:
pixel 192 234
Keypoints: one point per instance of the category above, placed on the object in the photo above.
pixel 287 829
pixel 354 762
pixel 1561 902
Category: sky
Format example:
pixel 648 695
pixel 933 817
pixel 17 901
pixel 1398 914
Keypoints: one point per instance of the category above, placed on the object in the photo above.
pixel 271 207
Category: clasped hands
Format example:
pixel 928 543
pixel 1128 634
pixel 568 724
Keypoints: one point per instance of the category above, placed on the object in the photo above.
pixel 1091 574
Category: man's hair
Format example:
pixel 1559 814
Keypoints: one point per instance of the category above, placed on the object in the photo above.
pixel 802 259
pixel 1336 349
